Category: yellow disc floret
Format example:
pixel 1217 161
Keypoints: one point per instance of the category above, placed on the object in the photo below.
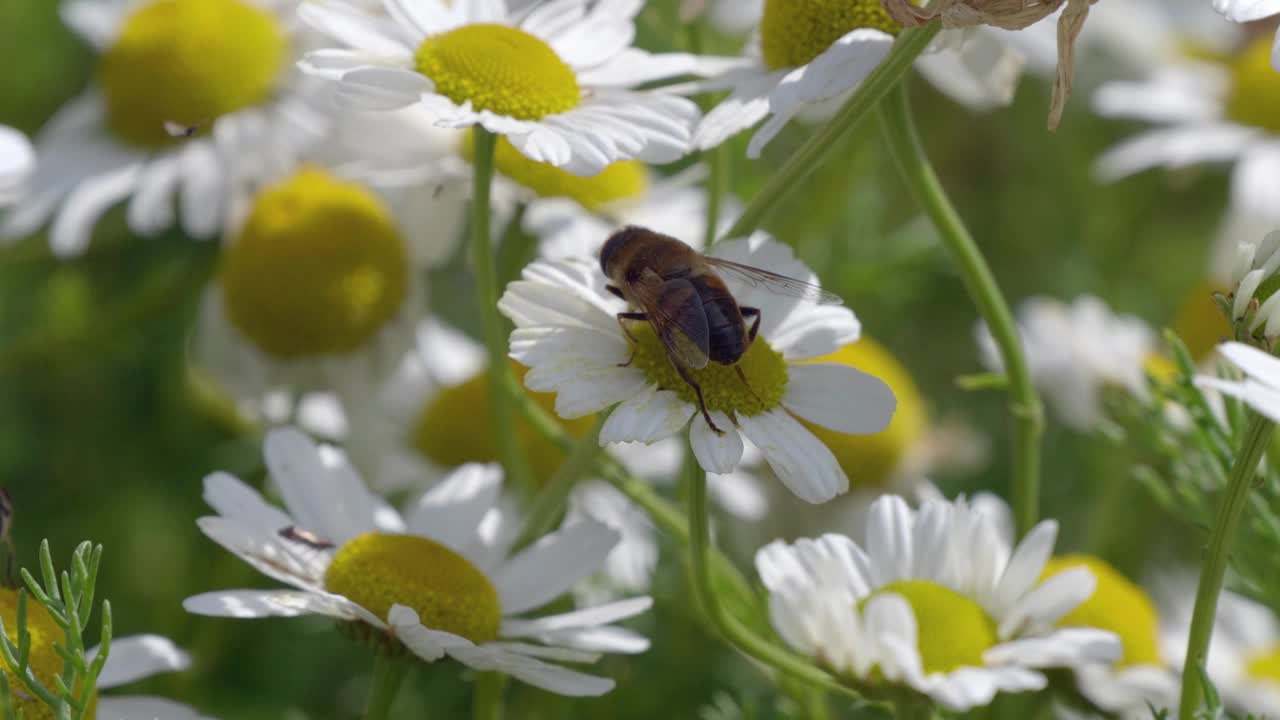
pixel 618 181
pixel 188 62
pixel 453 428
pixel 500 69
pixel 870 460
pixel 45 662
pixel 722 389
pixel 1199 322
pixel 1264 665
pixel 317 269
pixel 952 630
pixel 794 32
pixel 1255 87
pixel 378 570
pixel 1117 605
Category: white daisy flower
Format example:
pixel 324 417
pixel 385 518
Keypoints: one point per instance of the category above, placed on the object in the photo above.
pixel 552 80
pixel 1076 351
pixel 441 578
pixel 1244 11
pixel 17 163
pixel 1260 387
pixel 814 53
pixel 193 100
pixel 1244 652
pixel 935 600
pixel 568 334
pixel 131 658
pixel 322 280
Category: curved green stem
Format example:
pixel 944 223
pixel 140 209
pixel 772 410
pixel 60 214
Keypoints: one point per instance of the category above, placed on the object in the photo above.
pixel 388 673
pixel 549 504
pixel 804 161
pixel 487 704
pixel 717 159
pixel 1256 439
pixel 1024 405
pixel 495 338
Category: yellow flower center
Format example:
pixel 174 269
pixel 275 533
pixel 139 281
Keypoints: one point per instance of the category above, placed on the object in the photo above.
pixel 722 389
pixel 1264 665
pixel 45 661
pixel 952 631
pixel 1255 87
pixel 794 32
pixel 189 62
pixel 378 570
pixel 318 268
pixel 870 460
pixel 1159 368
pixel 618 181
pixel 1117 605
pixel 453 428
pixel 498 68
pixel 1199 322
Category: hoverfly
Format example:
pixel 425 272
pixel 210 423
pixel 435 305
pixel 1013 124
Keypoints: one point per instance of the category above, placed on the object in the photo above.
pixel 679 291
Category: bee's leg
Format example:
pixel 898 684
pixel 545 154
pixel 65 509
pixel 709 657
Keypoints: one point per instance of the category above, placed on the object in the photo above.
pixel 697 390
pixel 755 325
pixel 622 317
pixel 743 377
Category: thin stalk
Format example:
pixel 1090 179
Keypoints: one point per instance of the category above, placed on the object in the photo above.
pixel 817 148
pixel 548 505
pixel 1025 409
pixel 388 673
pixel 730 628
pixel 1257 438
pixel 487 703
pixel 717 159
pixel 495 338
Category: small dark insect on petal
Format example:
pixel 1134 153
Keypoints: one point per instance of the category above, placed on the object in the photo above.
pixel 306 537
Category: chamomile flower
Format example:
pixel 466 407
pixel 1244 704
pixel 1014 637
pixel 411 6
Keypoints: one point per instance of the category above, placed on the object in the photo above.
pixel 553 80
pixel 1244 652
pixel 813 53
pixel 1244 11
pixel 935 601
pixel 193 100
pixel 1260 387
pixel 17 162
pixel 131 658
pixel 440 579
pixel 1077 351
pixel 569 338
pixel 322 279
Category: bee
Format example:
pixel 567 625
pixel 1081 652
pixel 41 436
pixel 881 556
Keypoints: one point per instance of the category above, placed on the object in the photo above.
pixel 680 293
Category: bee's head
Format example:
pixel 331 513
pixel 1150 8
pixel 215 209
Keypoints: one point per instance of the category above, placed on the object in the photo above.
pixel 609 252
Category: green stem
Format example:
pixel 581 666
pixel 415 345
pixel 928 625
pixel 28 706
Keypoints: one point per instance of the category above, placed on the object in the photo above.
pixel 717 160
pixel 730 628
pixel 817 148
pixel 388 673
pixel 548 505
pixel 495 337
pixel 910 706
pixel 1257 438
pixel 1024 405
pixel 487 703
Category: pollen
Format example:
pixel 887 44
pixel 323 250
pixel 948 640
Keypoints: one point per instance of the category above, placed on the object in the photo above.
pixel 500 69
pixel 952 631
pixel 378 570
pixel 723 390
pixel 453 428
pixel 871 460
pixel 618 181
pixel 1255 88
pixel 189 62
pixel 1117 605
pixel 318 268
pixel 45 661
pixel 794 32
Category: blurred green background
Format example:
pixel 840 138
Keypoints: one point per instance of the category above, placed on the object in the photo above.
pixel 100 437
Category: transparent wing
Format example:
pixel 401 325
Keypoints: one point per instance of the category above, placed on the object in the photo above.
pixel 773 282
pixel 675 312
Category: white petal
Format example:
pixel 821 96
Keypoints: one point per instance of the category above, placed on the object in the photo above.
pixel 1262 398
pixel 747 105
pixel 586 617
pixel 450 512
pixel 267 551
pixel 800 460
pixel 202 191
pixel 268 603
pixel 138 656
pixel 233 499
pixel 889 543
pixel 551 566
pixel 739 493
pixel 1026 565
pixel 647 417
pixel 17 161
pixel 427 17
pixel 377 88
pixel 325 497
pixel 354 28
pixel 1049 601
pixel 1247 10
pixel 1255 363
pixel 981 73
pixel 557 679
pixel 135 707
pixel 428 644
pixel 811 331
pixel 1174 148
pixel 1064 647
pixel 839 397
pixel 717 453
pixel 85 205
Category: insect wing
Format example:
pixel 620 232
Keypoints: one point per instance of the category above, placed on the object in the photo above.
pixel 675 312
pixel 773 282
